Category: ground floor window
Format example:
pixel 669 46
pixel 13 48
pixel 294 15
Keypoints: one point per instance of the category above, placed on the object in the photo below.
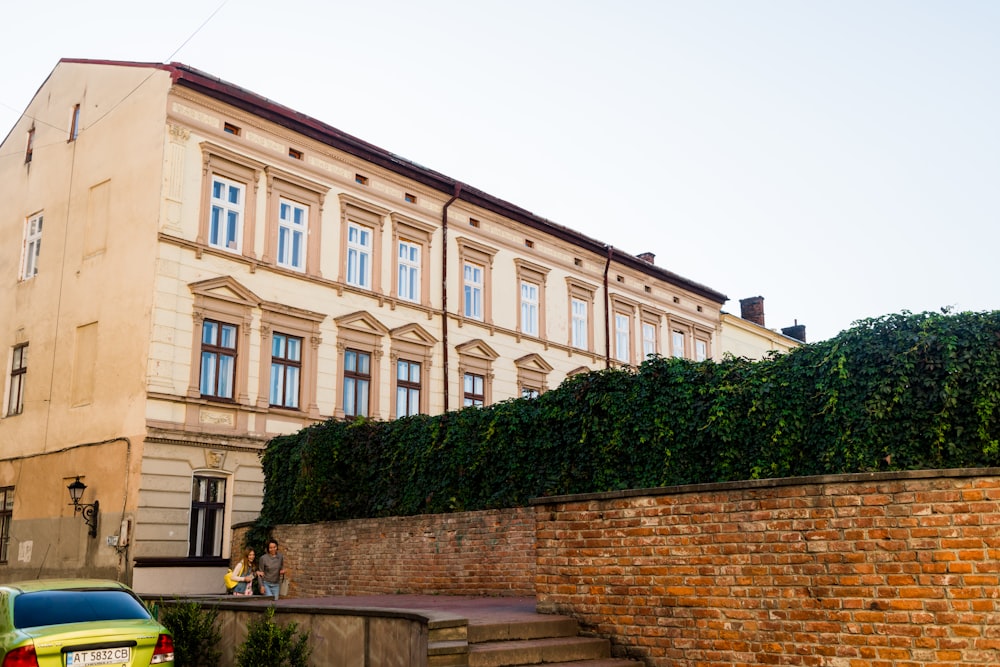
pixel 208 516
pixel 474 390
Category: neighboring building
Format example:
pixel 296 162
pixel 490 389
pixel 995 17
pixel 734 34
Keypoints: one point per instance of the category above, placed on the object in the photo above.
pixel 746 336
pixel 217 270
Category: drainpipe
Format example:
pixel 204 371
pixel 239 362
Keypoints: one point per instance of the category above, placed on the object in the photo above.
pixel 444 288
pixel 607 313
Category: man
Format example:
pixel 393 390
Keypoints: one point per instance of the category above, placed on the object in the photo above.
pixel 272 569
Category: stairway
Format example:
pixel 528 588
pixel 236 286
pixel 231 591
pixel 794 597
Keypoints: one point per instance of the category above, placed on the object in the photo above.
pixel 552 641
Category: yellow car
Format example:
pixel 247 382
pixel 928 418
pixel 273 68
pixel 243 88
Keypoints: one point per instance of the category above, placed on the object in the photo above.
pixel 79 623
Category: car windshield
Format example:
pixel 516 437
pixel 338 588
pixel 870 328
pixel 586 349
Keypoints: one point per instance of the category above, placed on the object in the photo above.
pixel 74 606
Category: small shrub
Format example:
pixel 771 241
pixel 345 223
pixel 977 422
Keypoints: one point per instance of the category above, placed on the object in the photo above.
pixel 196 635
pixel 269 644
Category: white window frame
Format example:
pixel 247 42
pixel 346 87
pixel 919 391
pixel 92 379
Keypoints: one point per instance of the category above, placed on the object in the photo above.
pixel 359 255
pixel 473 277
pixel 32 246
pixel 648 339
pixel 408 284
pixel 578 334
pixel 700 350
pixel 293 228
pixel 623 336
pixel 529 307
pixel 677 342
pixel 226 208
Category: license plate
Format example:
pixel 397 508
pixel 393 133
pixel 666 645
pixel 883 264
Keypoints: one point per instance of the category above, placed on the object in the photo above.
pixel 100 656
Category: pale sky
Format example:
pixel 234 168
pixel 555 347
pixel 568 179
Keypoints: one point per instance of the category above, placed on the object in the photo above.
pixel 840 158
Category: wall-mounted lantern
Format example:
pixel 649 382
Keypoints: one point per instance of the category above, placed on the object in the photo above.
pixel 89 511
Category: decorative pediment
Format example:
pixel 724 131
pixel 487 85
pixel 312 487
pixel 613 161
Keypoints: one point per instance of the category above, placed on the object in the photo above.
pixel 533 362
pixel 477 348
pixel 361 321
pixel 225 288
pixel 413 333
pixel 578 370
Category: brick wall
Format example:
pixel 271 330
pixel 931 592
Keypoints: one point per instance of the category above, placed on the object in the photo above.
pixel 896 569
pixel 466 553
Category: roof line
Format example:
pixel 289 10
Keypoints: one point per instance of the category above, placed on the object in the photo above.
pixel 241 98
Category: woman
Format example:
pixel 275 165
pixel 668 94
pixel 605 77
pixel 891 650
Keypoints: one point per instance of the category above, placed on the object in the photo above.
pixel 272 569
pixel 243 573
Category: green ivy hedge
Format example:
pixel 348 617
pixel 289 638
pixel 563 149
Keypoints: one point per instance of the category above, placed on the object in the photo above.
pixel 905 391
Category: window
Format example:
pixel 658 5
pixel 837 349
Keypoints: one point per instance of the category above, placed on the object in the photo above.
pixel 226 220
pixel 623 326
pixel 677 341
pixel 473 288
pixel 208 513
pixel 74 123
pixel 229 128
pixel 473 390
pixel 29 148
pixel 531 317
pixel 357 379
pixel 408 286
pixel 229 200
pixel 360 338
pixel 581 313
pixel 412 239
pixel 18 374
pixel 529 308
pixel 295 153
pixel 361 243
pixel 412 356
pixel 578 332
pixel 218 359
pixel 293 222
pixel 294 207
pixel 359 252
pixel 410 198
pixel 476 261
pixel 532 375
pixel 360 180
pixel 32 247
pixel 475 367
pixel 293 336
pixel 407 388
pixel 700 350
pixel 286 370
pixel 648 339
pixel 6 515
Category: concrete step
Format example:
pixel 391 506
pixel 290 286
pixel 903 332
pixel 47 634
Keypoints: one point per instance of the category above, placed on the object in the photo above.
pixel 540 627
pixel 537 651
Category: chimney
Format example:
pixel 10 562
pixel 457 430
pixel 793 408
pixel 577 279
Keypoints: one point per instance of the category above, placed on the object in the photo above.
pixel 647 257
pixel 798 332
pixel 752 309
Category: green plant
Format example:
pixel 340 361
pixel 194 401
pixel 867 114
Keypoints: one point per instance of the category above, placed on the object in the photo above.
pixel 899 392
pixel 269 644
pixel 196 635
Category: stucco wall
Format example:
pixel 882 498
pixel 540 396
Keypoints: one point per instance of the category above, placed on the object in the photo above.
pixel 889 569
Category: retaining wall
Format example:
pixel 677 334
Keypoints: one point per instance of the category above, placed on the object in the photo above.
pixel 894 569
pixel 489 553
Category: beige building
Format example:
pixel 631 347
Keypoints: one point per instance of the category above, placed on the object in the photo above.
pixel 747 336
pixel 218 269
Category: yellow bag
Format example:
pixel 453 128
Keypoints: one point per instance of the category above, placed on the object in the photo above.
pixel 230 581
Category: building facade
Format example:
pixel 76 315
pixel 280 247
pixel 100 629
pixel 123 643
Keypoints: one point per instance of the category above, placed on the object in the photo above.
pixel 218 269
